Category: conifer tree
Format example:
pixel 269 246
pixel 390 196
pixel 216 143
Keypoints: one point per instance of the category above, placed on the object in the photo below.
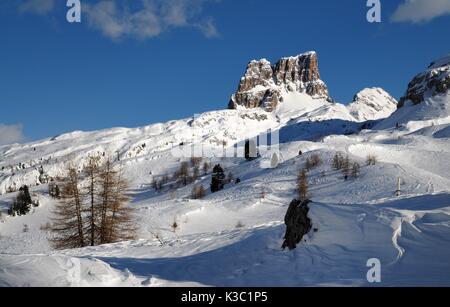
pixel 218 178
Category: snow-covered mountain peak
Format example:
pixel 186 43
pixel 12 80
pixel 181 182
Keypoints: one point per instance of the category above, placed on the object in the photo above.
pixel 372 104
pixel 266 85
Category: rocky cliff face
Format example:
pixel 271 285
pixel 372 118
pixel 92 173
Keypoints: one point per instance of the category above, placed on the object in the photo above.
pixel 263 84
pixel 433 82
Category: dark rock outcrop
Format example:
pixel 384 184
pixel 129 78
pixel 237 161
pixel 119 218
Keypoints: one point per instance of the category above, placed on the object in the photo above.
pixel 434 81
pixel 263 84
pixel 298 224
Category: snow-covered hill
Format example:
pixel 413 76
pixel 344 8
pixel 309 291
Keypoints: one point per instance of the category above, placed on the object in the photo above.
pixel 233 237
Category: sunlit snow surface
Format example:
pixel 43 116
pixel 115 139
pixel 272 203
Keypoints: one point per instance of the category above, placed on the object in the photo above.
pixel 233 238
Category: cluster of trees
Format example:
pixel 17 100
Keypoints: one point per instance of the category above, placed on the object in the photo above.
pixel 190 172
pixel 347 167
pixel 187 173
pixel 22 204
pixel 93 207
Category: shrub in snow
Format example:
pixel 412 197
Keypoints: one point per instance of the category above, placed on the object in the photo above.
pixel 198 192
pixel 240 225
pixel 174 226
pixel 298 224
pixel 313 162
pixel 371 160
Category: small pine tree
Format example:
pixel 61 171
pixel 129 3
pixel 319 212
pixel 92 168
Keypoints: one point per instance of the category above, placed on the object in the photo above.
pixel 337 162
pixel 218 178
pixel 346 167
pixel 356 170
pixel 302 186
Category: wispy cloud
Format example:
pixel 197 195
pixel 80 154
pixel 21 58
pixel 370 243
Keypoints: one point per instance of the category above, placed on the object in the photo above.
pixel 39 7
pixel 419 11
pixel 10 134
pixel 149 18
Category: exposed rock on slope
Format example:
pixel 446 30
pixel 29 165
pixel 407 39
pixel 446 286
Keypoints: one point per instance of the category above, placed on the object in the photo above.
pixel 433 82
pixel 372 104
pixel 263 84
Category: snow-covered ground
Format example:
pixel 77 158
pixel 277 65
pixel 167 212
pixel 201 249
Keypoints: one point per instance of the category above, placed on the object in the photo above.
pixel 233 237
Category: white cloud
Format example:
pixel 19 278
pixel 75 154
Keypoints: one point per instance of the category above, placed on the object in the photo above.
pixel 418 11
pixel 10 134
pixel 150 18
pixel 40 7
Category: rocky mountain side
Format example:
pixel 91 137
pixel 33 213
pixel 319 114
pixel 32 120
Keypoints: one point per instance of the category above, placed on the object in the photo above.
pixel 430 83
pixel 264 85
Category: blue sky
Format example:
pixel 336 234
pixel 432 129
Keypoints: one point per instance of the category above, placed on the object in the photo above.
pixel 132 63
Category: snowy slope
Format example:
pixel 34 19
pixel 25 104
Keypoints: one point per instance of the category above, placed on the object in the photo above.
pixel 356 220
pixel 372 104
pixel 233 237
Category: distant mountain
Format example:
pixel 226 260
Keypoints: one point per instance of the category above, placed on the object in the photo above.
pixel 294 84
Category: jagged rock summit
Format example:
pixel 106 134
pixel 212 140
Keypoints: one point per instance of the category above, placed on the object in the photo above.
pixel 433 82
pixel 264 84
